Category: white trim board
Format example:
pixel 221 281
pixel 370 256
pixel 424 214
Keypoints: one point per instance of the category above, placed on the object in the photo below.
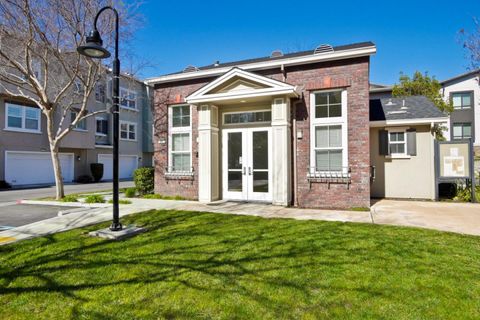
pixel 426 121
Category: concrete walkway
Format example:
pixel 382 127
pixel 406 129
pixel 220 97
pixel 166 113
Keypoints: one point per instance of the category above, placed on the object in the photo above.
pixel 454 217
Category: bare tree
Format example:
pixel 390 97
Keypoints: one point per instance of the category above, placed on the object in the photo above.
pixel 471 42
pixel 39 62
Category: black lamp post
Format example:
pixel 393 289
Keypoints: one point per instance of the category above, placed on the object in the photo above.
pixel 94 49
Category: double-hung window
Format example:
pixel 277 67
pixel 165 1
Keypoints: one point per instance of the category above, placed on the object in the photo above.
pixel 328 132
pixel 128 130
pixel 397 143
pixel 81 125
pixel 180 139
pixel 22 118
pixel 462 100
pixel 128 99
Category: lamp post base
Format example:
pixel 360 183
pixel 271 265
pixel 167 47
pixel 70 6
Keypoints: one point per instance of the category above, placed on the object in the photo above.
pixel 116 226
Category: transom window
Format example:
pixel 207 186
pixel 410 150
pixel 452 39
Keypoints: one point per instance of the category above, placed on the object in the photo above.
pixel 128 99
pixel 397 143
pixel 180 140
pixel 181 116
pixel 128 130
pixel 22 118
pixel 328 104
pixel 462 100
pixel 81 125
pixel 462 130
pixel 247 117
pixel 328 148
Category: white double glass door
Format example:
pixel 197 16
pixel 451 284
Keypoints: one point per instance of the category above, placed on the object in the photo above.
pixel 247 172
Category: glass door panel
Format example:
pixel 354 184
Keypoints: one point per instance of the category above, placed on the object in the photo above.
pixel 235 155
pixel 260 160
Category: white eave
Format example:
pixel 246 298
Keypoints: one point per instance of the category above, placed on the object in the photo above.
pixel 343 54
pixel 401 122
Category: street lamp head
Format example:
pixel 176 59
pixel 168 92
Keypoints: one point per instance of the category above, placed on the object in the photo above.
pixel 93 47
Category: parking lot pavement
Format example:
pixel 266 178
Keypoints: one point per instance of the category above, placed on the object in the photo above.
pixel 15 215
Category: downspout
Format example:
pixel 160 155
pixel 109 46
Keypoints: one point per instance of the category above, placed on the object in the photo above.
pixel 294 156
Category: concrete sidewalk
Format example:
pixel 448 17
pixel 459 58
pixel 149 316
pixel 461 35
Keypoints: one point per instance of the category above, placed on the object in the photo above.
pixel 453 217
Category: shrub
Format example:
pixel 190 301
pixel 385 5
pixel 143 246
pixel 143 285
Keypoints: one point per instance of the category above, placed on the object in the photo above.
pixel 70 198
pixel 95 198
pixel 121 201
pixel 97 171
pixel 144 180
pixel 464 193
pixel 84 179
pixel 130 192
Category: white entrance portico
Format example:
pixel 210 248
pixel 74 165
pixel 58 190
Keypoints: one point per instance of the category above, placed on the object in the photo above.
pixel 244 138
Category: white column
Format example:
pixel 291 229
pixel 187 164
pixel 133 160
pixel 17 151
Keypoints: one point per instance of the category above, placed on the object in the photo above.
pixel 281 157
pixel 208 163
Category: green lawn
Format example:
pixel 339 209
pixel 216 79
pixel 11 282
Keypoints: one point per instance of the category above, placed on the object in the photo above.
pixel 202 265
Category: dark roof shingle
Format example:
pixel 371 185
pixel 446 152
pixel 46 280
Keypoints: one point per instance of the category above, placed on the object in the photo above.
pixel 414 107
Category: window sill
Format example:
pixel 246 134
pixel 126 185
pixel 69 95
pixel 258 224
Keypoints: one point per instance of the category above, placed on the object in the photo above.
pixel 103 146
pixel 179 175
pixel 100 134
pixel 398 156
pixel 130 109
pixel 129 140
pixel 22 130
pixel 79 130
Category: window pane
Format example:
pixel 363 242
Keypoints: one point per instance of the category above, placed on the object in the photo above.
pixel 14 111
pixel 235 150
pixel 260 149
pixel 131 128
pixel 268 116
pixel 457 100
pixel 321 98
pixel 181 161
pixel 228 118
pixel 321 111
pixel 466 100
pixel 82 124
pixel 335 136
pixel 335 110
pixel 321 160
pixel 321 137
pixel 234 181
pixel 180 142
pixel 185 121
pixel 335 97
pixel 400 136
pixel 123 134
pixel 467 130
pixel 123 126
pixel 260 181
pixel 457 131
pixel 335 160
pixel 31 113
pixel 14 122
pixel 131 135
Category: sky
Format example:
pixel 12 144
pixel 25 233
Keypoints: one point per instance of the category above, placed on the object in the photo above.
pixel 409 35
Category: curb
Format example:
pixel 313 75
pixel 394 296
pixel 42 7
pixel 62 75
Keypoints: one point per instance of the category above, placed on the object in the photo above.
pixel 65 204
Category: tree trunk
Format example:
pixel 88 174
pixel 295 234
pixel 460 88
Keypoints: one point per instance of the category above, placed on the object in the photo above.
pixel 57 169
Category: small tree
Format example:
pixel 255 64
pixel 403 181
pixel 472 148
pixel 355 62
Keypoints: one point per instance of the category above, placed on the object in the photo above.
pixel 424 85
pixel 39 62
pixel 471 42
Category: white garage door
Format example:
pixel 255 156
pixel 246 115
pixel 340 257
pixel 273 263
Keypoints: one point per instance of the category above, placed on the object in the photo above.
pixel 127 164
pixel 23 168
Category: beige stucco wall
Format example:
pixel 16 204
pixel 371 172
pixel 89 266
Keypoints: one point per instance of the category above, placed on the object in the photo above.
pixel 411 178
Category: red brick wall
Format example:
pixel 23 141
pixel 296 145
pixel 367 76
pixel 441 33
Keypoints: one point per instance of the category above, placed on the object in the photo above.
pixel 352 74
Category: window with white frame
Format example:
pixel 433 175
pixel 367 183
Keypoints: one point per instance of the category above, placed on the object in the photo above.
pixel 81 125
pixel 328 139
pixel 397 142
pixel 128 99
pixel 180 138
pixel 462 130
pixel 128 130
pixel 100 92
pixel 462 100
pixel 101 126
pixel 22 118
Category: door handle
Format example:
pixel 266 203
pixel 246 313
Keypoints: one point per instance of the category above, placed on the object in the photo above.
pixel 249 171
pixel 244 170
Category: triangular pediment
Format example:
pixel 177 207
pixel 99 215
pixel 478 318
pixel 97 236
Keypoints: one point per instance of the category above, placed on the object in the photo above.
pixel 239 83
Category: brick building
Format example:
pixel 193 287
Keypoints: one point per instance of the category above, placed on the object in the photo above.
pixel 289 129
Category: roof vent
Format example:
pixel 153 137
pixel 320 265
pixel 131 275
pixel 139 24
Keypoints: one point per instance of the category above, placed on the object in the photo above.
pixel 323 48
pixel 216 63
pixel 390 103
pixel 190 68
pixel 276 54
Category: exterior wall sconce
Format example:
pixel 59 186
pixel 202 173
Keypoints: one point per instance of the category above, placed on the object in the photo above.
pixel 299 134
pixel 78 158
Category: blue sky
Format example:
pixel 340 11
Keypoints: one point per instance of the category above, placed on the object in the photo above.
pixel 410 35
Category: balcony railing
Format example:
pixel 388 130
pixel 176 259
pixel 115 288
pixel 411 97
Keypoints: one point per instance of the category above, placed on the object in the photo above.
pixel 172 173
pixel 340 175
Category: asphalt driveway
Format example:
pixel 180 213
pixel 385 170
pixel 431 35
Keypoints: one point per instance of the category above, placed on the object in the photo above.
pixel 444 216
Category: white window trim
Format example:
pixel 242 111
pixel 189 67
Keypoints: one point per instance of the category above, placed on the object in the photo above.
pixel 128 92
pixel 100 134
pixel 403 155
pixel 173 130
pixel 22 129
pixel 239 112
pixel 128 123
pixel 320 122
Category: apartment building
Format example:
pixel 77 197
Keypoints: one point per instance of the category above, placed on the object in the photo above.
pixel 24 148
